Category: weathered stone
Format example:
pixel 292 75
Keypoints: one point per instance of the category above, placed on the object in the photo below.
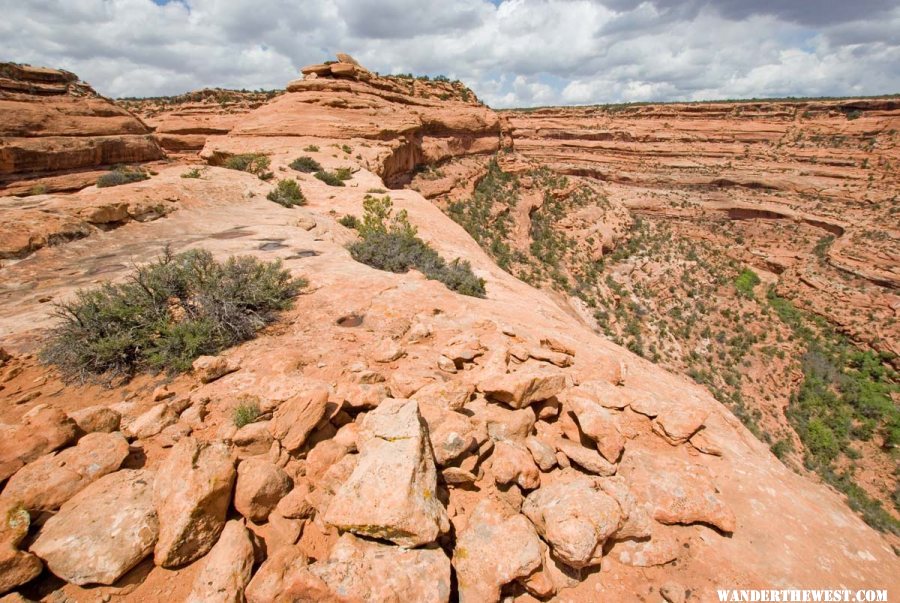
pixel 252 439
pixel 543 454
pixel 388 351
pixel 392 493
pixel 260 485
pixel 636 522
pixel 451 434
pixel 512 463
pixel 297 417
pixel 192 500
pixel 295 504
pixel 103 531
pixel 606 394
pixel 268 582
pixel 447 394
pixel 496 547
pixel 151 422
pixel 551 577
pixel 226 569
pixel 518 390
pixel 575 517
pixel 505 424
pixel 16 567
pixel 676 424
pixel 585 458
pixel 43 429
pixel 597 423
pixel 210 368
pixel 677 490
pixel 45 484
pixel 96 419
pixel 361 570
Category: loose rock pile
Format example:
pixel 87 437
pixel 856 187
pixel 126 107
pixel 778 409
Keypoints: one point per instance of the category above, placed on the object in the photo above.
pixel 505 471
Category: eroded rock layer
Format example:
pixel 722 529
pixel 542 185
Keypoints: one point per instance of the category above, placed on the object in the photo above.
pixel 51 123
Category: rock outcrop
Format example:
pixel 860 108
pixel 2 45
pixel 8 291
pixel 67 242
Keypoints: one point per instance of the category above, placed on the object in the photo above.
pixel 51 123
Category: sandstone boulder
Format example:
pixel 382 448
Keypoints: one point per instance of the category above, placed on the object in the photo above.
pixel 575 517
pixel 677 491
pixel 361 570
pixel 103 531
pixel 297 417
pixel 511 463
pixel 96 419
pixel 45 484
pixel 447 394
pixel 192 500
pixel 451 434
pixel 497 546
pixel 16 567
pixel 260 485
pixel 505 424
pixel 226 569
pixel 585 458
pixel 43 429
pixel 253 439
pixel 543 454
pixel 392 493
pixel 597 423
pixel 269 581
pixel 210 368
pixel 152 422
pixel 518 390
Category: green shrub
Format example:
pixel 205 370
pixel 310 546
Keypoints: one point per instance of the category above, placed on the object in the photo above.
pixel 329 178
pixel 38 189
pixel 167 314
pixel 287 193
pixel 746 281
pixel 252 163
pixel 349 221
pixel 121 175
pixel 344 173
pixel 306 164
pixel 390 243
pixel 191 173
pixel 346 148
pixel 311 149
pixel 245 413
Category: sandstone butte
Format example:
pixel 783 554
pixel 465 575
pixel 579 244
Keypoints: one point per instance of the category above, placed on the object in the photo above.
pixel 414 443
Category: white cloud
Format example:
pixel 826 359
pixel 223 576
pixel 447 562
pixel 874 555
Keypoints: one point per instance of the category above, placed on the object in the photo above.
pixel 517 53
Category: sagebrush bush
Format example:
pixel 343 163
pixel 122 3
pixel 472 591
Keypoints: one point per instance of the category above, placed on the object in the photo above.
pixel 191 173
pixel 390 243
pixel 349 221
pixel 306 164
pixel 121 175
pixel 245 413
pixel 329 178
pixel 287 193
pixel 167 314
pixel 252 163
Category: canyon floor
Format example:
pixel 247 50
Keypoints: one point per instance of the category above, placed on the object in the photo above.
pixel 681 376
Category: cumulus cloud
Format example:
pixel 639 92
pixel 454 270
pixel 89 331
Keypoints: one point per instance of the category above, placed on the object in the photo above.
pixel 511 52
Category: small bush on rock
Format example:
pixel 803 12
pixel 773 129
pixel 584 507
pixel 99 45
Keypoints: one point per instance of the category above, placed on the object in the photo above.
pixel 167 314
pixel 390 243
pixel 191 173
pixel 287 193
pixel 121 175
pixel 252 163
pixel 305 164
pixel 329 178
pixel 244 414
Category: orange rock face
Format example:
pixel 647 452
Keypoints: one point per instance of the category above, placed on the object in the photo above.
pixel 51 123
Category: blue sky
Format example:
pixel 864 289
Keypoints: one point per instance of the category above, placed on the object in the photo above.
pixel 511 52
